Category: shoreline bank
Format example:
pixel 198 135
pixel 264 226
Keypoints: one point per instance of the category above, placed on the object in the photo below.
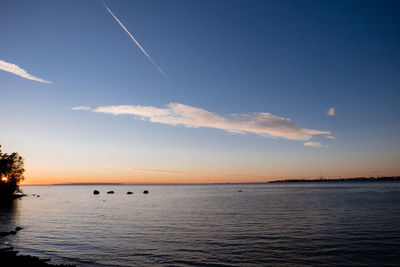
pixel 10 257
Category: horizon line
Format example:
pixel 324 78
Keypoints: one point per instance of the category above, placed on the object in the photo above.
pixel 224 183
pixel 150 183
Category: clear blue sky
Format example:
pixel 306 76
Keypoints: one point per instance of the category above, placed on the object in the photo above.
pixel 292 59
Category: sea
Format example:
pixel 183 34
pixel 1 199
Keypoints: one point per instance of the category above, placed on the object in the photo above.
pixel 272 224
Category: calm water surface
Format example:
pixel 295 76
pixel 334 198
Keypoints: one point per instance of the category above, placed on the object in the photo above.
pixel 265 224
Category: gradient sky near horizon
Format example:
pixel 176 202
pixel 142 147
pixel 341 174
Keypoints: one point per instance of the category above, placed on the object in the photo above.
pixel 218 91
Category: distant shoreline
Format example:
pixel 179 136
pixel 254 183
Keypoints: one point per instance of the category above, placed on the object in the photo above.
pixel 354 179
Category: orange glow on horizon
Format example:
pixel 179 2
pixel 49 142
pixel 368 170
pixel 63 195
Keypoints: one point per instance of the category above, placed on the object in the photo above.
pixel 195 176
pixel 141 178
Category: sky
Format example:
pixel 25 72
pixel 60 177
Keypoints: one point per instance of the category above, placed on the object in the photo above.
pixel 200 91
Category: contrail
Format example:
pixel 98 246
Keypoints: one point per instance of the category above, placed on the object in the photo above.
pixel 136 42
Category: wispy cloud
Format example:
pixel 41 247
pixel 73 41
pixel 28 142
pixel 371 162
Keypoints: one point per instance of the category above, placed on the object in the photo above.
pixel 331 112
pixel 155 170
pixel 14 69
pixel 134 40
pixel 182 172
pixel 330 137
pixel 81 108
pixel 313 144
pixel 264 124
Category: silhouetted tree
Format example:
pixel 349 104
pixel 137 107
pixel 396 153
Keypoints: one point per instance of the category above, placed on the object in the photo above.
pixel 11 172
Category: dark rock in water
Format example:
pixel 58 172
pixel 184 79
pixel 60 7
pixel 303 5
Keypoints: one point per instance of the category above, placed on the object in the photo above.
pixel 240 191
pixel 4 233
pixel 129 193
pixel 11 232
pixel 110 192
pixel 95 192
pixel 145 192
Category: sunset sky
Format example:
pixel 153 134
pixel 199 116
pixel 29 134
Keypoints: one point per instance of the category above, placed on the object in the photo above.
pixel 200 91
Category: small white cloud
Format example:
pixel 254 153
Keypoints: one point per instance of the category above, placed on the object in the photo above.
pixel 263 124
pixel 14 69
pixel 331 112
pixel 110 167
pixel 313 144
pixel 330 137
pixel 81 108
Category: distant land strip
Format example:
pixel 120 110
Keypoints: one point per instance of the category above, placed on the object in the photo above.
pixel 90 184
pixel 354 179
